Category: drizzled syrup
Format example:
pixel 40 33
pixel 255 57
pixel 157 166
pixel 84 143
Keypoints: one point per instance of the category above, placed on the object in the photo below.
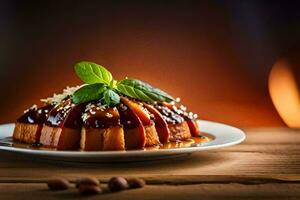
pixel 35 115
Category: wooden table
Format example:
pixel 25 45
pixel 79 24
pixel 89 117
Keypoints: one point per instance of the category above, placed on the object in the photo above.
pixel 267 164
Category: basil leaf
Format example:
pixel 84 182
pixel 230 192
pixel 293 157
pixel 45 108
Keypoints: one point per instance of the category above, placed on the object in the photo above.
pixel 111 98
pixel 90 73
pixel 142 91
pixel 88 93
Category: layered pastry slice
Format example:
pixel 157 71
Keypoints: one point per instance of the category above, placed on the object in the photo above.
pixel 161 125
pixel 189 117
pixel 142 120
pixel 28 127
pixel 105 114
pixel 62 128
pixel 101 128
pixel 178 127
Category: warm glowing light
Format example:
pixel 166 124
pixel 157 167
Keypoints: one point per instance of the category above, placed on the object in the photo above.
pixel 285 93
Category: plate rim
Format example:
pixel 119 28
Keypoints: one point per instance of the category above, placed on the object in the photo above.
pixel 238 134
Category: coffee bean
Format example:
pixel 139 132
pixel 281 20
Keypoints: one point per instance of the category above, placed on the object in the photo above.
pixel 58 184
pixel 117 184
pixel 136 183
pixel 87 181
pixel 89 189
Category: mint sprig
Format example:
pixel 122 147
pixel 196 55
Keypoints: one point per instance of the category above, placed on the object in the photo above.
pixel 90 73
pixel 111 98
pixel 101 86
pixel 89 93
pixel 142 91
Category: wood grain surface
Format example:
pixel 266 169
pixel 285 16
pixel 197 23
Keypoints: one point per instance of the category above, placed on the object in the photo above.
pixel 266 165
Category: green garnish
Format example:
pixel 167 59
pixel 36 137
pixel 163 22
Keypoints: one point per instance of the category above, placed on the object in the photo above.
pixel 111 98
pixel 89 92
pixel 100 85
pixel 91 73
pixel 142 91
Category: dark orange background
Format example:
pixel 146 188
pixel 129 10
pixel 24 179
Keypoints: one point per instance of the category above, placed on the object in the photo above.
pixel 215 55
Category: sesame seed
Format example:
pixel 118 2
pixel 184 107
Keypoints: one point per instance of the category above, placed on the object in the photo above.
pixel 34 106
pixel 177 99
pixel 123 107
pixel 57 98
pixel 109 115
pixel 92 112
pixel 182 107
pixel 84 116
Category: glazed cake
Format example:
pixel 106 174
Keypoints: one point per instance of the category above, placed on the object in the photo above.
pixel 104 114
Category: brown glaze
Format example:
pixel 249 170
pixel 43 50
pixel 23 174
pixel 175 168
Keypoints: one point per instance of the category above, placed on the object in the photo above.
pixel 97 116
pixel 134 131
pixel 187 116
pixel 35 115
pixel 128 118
pixel 139 109
pixel 66 114
pixel 62 129
pixel 74 119
pixel 160 124
pixel 101 128
pixel 29 125
pixel 168 114
pixel 141 124
pixel 59 113
pixel 148 125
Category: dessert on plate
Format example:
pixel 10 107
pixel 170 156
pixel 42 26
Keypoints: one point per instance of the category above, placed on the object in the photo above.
pixel 105 114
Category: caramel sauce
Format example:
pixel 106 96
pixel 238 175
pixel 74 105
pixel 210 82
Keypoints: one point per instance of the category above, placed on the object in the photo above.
pixel 168 114
pixel 193 142
pixel 101 118
pixel 127 117
pixel 66 114
pixel 35 115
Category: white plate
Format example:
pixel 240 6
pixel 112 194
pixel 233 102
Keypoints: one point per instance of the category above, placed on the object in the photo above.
pixel 225 136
